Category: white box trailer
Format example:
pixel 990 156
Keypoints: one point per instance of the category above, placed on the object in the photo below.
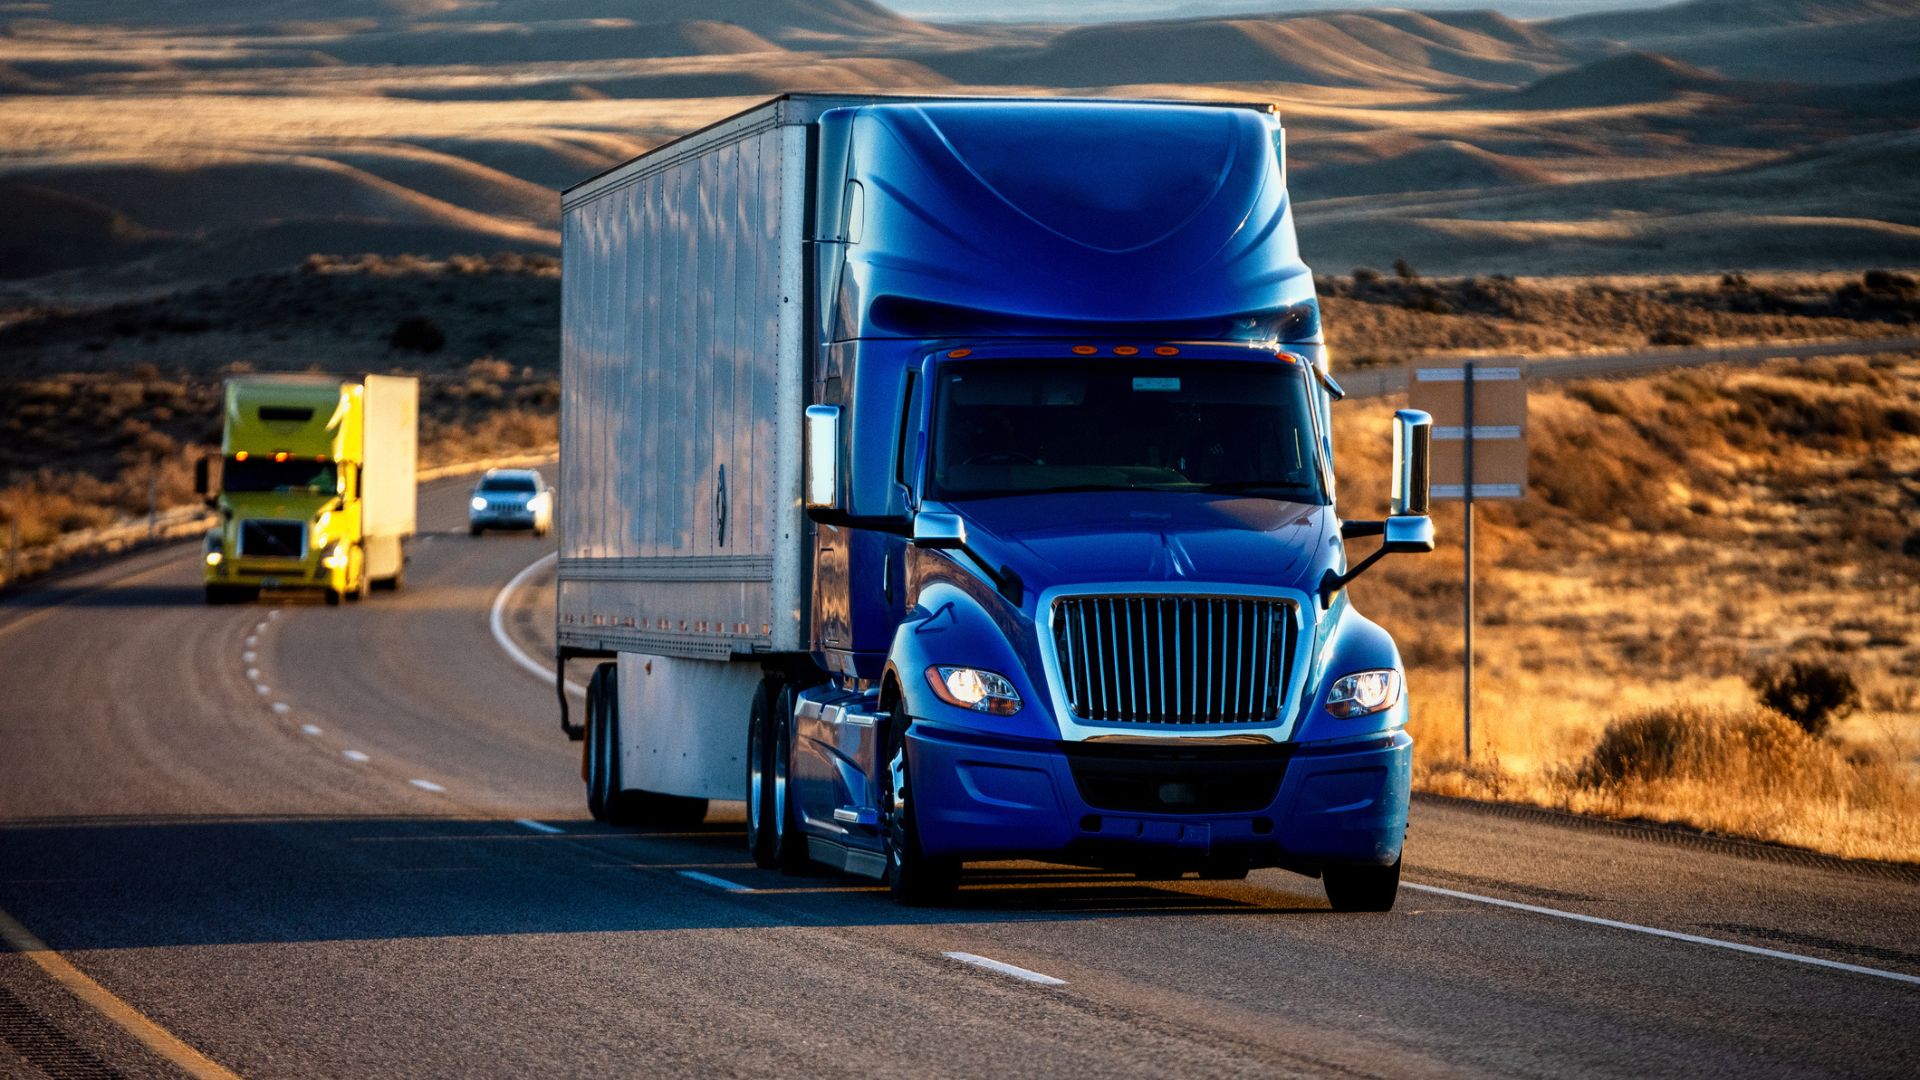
pixel 390 453
pixel 683 377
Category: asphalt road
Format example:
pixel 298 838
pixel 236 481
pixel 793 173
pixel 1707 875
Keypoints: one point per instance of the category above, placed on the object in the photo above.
pixel 306 841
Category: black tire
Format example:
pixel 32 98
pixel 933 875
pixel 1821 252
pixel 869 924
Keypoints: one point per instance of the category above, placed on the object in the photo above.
pixel 598 787
pixel 789 842
pixel 334 596
pixel 1362 888
pixel 760 822
pixel 474 530
pixel 914 877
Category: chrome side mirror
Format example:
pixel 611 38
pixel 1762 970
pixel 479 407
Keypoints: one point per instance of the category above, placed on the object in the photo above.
pixel 823 457
pixel 939 531
pixel 1412 463
pixel 1408 534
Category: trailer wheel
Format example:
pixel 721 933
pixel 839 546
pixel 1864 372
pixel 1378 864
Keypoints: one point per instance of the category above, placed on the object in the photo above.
pixel 760 823
pixel 1362 888
pixel 915 877
pixel 598 801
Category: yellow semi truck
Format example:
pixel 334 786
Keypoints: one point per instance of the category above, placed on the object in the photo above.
pixel 316 486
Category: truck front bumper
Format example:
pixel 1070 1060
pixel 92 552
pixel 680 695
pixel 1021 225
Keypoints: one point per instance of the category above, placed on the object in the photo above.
pixel 1338 803
pixel 274 574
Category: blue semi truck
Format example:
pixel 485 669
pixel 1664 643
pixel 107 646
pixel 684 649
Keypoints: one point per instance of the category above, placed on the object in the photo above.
pixel 951 480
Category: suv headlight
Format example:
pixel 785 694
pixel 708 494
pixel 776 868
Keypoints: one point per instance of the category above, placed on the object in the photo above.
pixel 972 688
pixel 478 503
pixel 1364 693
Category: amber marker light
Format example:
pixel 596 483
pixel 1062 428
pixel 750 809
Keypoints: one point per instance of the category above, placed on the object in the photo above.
pixel 240 456
pixel 1165 350
pixel 956 354
pixel 1125 350
pixel 1084 350
pixel 280 456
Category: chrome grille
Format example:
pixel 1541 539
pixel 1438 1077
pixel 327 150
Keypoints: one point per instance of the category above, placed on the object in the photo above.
pixel 1175 659
pixel 273 539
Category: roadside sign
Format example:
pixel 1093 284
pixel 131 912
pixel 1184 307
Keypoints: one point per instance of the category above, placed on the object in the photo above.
pixel 1479 452
pixel 1494 402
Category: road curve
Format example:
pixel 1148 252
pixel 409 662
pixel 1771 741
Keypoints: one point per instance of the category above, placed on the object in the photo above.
pixel 307 841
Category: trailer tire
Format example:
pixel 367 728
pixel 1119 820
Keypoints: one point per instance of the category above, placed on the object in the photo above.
pixel 760 800
pixel 914 877
pixel 608 799
pixel 1362 888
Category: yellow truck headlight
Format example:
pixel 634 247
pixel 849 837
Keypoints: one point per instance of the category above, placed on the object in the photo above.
pixel 333 557
pixel 214 558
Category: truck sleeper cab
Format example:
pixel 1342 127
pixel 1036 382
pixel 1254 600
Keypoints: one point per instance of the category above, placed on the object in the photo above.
pixel 1013 536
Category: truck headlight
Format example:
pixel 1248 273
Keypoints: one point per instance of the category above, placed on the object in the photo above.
pixel 333 556
pixel 1364 693
pixel 972 688
pixel 478 503
pixel 214 558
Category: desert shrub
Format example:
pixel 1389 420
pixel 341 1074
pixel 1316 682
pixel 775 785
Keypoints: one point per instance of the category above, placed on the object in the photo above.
pixel 1672 335
pixel 418 333
pixel 1812 693
pixel 1690 743
pixel 1365 275
pixel 1405 271
pixel 1886 281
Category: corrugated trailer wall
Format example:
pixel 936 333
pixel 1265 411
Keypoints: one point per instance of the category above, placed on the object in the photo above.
pixel 683 361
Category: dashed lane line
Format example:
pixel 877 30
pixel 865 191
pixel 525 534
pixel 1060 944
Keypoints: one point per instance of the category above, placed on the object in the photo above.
pixel 355 756
pixel 426 785
pixel 716 882
pixel 1005 969
pixel 101 1000
pixel 1674 935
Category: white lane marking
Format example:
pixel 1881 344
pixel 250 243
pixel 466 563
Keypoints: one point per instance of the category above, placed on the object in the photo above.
pixel 262 689
pixel 1692 939
pixel 254 674
pixel 281 708
pixel 274 614
pixel 249 656
pixel 537 826
pixel 355 755
pixel 496 621
pixel 1004 968
pixel 426 785
pixel 259 626
pixel 252 640
pixel 310 729
pixel 716 882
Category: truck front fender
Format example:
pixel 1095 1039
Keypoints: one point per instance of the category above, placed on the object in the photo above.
pixel 1356 643
pixel 948 627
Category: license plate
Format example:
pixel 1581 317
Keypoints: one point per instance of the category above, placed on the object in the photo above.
pixel 269 582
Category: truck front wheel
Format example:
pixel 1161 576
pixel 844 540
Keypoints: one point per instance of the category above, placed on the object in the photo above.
pixel 760 800
pixel 1362 888
pixel 914 877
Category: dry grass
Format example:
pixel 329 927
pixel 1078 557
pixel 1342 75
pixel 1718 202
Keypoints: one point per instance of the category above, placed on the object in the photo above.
pixel 1681 533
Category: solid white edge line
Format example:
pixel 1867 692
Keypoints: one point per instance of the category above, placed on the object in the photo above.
pixel 1003 968
pixel 496 621
pixel 538 826
pixel 426 785
pixel 355 755
pixel 716 882
pixel 1692 939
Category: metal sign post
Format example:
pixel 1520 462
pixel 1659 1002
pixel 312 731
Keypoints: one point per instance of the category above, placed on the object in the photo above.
pixel 1484 410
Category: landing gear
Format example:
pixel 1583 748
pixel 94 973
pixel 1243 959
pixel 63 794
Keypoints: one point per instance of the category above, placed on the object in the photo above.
pixel 914 877
pixel 1362 888
pixel 607 798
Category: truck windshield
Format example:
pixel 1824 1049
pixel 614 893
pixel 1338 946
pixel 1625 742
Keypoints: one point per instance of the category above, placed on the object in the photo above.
pixel 266 474
pixel 1036 426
